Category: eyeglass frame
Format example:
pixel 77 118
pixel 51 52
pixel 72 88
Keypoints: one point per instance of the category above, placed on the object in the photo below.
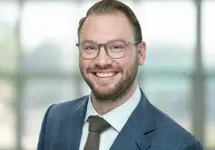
pixel 105 47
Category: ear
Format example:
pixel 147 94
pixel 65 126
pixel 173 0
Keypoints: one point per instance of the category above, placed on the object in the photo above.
pixel 141 53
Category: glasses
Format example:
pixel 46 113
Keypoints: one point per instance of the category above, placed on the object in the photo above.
pixel 114 49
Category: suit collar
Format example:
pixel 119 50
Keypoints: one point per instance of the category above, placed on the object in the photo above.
pixel 140 123
pixel 77 116
pixel 66 125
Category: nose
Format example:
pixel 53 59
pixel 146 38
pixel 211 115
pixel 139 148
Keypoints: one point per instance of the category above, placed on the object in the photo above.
pixel 103 60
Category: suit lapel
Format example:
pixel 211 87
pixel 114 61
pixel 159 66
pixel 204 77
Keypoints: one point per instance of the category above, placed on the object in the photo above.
pixel 133 135
pixel 66 129
pixel 76 122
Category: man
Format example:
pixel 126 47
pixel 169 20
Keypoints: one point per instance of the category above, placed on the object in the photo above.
pixel 116 115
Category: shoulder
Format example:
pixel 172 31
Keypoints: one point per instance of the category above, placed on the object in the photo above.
pixel 61 109
pixel 170 134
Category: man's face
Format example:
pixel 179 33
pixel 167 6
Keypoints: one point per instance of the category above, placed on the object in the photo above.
pixel 109 78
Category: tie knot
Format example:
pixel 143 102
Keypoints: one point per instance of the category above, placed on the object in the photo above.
pixel 97 124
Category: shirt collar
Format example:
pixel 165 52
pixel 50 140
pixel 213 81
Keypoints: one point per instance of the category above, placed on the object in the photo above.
pixel 121 113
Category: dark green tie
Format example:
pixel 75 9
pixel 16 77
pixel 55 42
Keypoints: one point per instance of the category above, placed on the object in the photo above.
pixel 97 125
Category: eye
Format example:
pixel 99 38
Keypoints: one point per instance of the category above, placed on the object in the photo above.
pixel 89 47
pixel 117 47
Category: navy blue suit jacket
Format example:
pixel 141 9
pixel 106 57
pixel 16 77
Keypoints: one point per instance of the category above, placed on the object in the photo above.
pixel 147 129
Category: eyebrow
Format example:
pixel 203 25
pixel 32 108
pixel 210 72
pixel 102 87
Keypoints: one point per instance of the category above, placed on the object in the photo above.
pixel 87 41
pixel 103 43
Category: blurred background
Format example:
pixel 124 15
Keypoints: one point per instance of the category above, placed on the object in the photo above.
pixel 39 63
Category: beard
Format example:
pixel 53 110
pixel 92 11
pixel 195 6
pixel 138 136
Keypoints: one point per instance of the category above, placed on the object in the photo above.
pixel 112 92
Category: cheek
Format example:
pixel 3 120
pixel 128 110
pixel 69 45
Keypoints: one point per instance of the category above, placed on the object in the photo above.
pixel 126 64
pixel 129 61
pixel 83 65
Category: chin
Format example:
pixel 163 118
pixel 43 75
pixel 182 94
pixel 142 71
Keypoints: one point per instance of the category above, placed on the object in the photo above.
pixel 103 93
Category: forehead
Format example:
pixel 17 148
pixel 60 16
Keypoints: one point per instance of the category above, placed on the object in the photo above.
pixel 107 26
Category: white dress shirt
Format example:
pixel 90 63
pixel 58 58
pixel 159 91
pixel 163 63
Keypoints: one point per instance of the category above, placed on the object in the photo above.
pixel 116 118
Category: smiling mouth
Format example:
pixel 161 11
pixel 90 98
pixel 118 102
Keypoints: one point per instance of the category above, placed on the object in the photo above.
pixel 105 74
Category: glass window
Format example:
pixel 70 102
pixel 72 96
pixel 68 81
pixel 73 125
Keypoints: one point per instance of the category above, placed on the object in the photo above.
pixel 8 36
pixel 208 24
pixel 49 35
pixel 39 95
pixel 210 113
pixel 168 27
pixel 208 47
pixel 7 115
pixel 171 95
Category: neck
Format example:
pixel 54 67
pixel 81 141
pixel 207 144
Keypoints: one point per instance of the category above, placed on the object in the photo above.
pixel 103 107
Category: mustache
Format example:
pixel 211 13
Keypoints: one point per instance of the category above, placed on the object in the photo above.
pixel 105 67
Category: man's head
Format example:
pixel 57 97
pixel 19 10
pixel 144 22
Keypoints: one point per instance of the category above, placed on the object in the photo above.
pixel 111 48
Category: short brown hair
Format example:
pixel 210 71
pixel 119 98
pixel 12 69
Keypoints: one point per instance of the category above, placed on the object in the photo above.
pixel 110 6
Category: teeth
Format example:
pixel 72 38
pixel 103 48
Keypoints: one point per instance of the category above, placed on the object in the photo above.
pixel 109 74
